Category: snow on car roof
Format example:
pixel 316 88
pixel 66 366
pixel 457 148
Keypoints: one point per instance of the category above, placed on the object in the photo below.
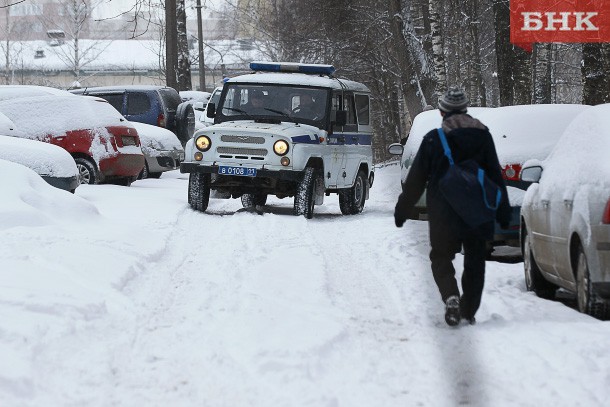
pixel 580 157
pixel 300 79
pixel 39 116
pixel 18 91
pixel 520 132
pixel 44 158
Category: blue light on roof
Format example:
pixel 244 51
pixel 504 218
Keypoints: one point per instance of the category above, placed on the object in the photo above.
pixel 313 69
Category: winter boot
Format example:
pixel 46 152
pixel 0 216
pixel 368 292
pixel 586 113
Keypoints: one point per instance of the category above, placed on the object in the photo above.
pixel 452 310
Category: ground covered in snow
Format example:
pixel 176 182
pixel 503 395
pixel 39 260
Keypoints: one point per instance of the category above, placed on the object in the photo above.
pixel 125 296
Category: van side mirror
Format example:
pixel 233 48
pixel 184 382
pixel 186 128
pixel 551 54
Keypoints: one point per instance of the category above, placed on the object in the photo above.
pixel 531 174
pixel 341 117
pixel 211 110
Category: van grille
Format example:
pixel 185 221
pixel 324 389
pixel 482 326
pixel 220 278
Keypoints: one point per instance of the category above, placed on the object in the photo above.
pixel 242 139
pixel 242 151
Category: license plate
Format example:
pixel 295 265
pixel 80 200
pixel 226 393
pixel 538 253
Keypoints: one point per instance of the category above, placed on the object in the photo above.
pixel 240 171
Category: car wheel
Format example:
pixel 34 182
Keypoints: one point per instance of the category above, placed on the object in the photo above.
pixel 588 302
pixel 305 199
pixel 351 200
pixel 185 122
pixel 199 191
pixel 144 173
pixel 534 281
pixel 87 173
pixel 250 200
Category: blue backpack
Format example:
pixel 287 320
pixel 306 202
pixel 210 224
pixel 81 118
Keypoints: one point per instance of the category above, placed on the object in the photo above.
pixel 471 194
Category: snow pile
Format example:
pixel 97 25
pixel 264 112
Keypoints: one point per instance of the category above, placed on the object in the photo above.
pixel 27 200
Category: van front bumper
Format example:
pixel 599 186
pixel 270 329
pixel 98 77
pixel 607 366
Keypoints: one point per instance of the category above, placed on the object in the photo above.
pixel 282 175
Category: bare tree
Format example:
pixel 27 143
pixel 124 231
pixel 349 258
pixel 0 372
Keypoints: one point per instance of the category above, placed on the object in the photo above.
pixel 595 68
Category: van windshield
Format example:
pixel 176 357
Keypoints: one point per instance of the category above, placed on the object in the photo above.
pixel 274 102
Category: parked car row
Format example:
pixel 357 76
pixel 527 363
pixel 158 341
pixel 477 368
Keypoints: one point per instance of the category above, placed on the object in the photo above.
pixel 554 159
pixel 103 145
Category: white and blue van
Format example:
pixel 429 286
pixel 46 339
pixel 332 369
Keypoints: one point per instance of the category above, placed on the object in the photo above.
pixel 289 130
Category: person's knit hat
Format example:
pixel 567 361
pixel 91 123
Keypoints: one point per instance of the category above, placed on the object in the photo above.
pixel 454 100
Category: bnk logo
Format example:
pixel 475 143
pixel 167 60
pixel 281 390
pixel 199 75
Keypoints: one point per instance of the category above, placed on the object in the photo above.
pixel 534 21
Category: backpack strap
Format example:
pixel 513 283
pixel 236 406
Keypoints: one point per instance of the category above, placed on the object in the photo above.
pixel 481 178
pixel 441 135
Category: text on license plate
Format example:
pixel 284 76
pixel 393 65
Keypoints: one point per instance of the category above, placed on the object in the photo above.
pixel 242 171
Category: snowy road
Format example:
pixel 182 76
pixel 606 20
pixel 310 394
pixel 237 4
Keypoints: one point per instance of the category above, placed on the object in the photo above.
pixel 232 308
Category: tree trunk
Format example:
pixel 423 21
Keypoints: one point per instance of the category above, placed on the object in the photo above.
pixel 595 68
pixel 438 53
pixel 184 63
pixel 541 72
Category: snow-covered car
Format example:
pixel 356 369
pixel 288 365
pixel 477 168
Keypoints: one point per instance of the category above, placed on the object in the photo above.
pixel 104 145
pixel 197 99
pixel 162 150
pixel 204 120
pixel 21 91
pixel 565 216
pixel 520 133
pixel 52 163
pixel 156 105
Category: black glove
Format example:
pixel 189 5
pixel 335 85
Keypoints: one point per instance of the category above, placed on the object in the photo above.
pixel 399 222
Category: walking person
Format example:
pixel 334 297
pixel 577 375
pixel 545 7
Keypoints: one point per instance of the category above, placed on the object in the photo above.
pixel 467 138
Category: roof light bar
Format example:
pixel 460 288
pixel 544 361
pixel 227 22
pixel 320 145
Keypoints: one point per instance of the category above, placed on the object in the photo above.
pixel 313 69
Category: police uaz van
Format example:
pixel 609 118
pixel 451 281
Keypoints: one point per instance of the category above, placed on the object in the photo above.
pixel 289 130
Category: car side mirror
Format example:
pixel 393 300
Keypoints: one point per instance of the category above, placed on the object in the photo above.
pixel 395 149
pixel 531 174
pixel 211 113
pixel 341 117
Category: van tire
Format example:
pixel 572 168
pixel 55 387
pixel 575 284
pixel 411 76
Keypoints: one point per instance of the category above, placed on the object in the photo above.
pixel 87 173
pixel 185 122
pixel 199 191
pixel 351 200
pixel 256 199
pixel 304 199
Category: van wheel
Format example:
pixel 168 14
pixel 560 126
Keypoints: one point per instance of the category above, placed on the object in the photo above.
pixel 588 302
pixel 199 191
pixel 534 281
pixel 305 199
pixel 185 122
pixel 250 200
pixel 351 200
pixel 87 173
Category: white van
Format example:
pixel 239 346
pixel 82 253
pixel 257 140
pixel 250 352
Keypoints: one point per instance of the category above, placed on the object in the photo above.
pixel 289 130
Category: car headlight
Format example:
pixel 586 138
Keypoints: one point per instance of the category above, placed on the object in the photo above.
pixel 280 147
pixel 203 143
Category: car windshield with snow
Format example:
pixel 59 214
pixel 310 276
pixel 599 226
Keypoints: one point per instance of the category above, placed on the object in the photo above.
pixel 289 130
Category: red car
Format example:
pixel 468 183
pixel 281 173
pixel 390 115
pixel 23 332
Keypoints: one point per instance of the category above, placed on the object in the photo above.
pixel 104 145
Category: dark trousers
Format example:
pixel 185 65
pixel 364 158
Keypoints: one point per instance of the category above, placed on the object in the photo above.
pixel 473 278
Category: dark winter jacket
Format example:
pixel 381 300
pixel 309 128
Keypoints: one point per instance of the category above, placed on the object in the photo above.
pixel 468 138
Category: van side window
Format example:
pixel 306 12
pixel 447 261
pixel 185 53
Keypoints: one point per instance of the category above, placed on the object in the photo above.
pixel 362 109
pixel 137 103
pixel 116 100
pixel 345 101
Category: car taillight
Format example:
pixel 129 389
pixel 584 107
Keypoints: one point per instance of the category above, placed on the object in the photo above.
pixel 511 172
pixel 161 120
pixel 606 216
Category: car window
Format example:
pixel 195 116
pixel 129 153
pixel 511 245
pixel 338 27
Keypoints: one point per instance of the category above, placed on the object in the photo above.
pixel 116 100
pixel 137 103
pixel 171 99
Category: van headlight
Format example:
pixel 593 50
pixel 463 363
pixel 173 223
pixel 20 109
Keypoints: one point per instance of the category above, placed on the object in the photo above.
pixel 203 143
pixel 280 147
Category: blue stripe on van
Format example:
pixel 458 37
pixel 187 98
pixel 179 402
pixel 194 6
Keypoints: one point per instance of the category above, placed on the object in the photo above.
pixel 306 139
pixel 350 139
